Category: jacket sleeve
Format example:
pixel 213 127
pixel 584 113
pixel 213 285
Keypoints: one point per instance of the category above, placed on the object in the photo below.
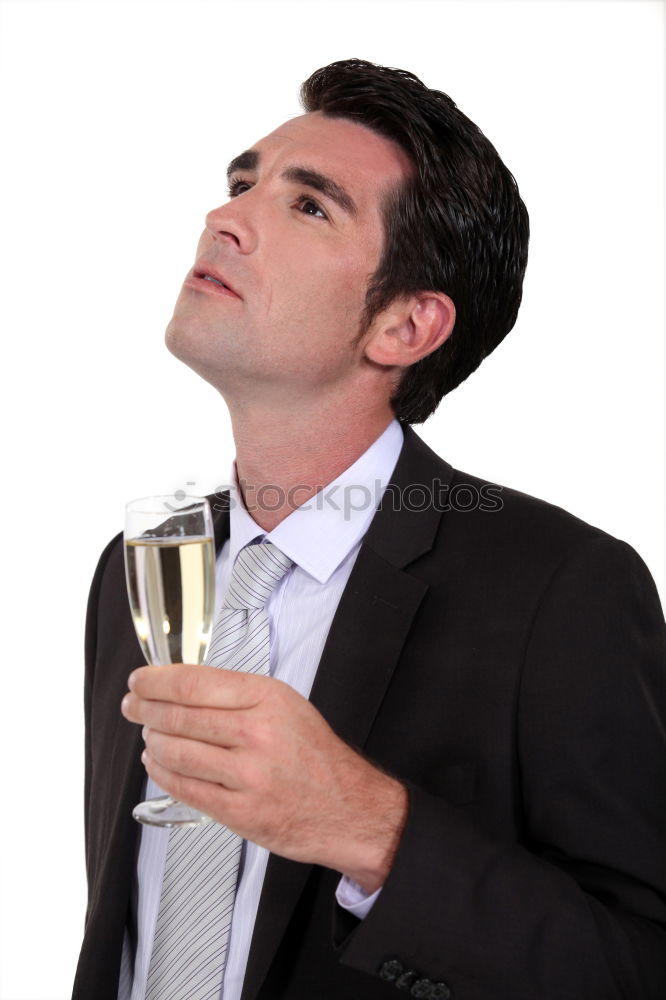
pixel 89 682
pixel 577 909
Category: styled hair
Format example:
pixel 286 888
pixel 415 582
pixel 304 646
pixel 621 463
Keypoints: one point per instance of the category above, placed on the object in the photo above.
pixel 457 225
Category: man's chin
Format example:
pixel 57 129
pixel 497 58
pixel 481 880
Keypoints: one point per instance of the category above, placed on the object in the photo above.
pixel 184 345
pixel 184 340
pixel 172 339
pixel 194 351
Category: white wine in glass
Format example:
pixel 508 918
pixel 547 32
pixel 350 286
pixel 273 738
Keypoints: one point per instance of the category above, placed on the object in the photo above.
pixel 170 573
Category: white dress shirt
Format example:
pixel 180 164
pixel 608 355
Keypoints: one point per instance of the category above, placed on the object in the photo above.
pixel 323 538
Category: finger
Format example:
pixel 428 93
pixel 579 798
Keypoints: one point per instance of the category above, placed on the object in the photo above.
pixel 210 798
pixel 199 685
pixel 192 759
pixel 221 727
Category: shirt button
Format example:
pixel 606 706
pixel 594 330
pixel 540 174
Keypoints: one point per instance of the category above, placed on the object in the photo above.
pixel 406 980
pixel 440 991
pixel 391 970
pixel 422 988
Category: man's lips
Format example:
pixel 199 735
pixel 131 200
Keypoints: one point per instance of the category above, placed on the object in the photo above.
pixel 207 279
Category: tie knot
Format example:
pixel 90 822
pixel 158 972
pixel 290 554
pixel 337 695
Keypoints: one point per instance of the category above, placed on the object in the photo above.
pixel 257 571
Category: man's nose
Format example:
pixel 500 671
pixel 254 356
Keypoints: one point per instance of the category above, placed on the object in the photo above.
pixel 227 223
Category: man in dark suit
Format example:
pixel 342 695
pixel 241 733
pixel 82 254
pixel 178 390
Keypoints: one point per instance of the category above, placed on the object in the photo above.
pixel 482 751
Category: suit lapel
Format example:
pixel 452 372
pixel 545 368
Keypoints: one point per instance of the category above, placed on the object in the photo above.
pixel 364 643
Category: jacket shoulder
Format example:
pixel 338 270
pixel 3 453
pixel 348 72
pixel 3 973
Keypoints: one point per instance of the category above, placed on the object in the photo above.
pixel 482 523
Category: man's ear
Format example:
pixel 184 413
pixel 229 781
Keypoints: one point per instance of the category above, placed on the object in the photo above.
pixel 410 328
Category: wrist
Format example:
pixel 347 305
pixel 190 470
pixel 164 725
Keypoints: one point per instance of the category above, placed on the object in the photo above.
pixel 371 850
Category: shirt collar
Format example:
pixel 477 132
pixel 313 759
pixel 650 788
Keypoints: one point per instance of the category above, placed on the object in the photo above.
pixel 321 533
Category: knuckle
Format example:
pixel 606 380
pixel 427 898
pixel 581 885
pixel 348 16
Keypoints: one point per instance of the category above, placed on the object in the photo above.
pixel 251 773
pixel 262 734
pixel 174 719
pixel 187 686
pixel 185 757
pixel 243 729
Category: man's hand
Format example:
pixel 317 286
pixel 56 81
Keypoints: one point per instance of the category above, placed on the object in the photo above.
pixel 253 754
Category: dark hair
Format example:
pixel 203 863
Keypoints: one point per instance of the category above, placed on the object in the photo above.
pixel 457 225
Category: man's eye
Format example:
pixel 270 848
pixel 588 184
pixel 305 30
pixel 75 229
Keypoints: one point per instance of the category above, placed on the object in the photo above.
pixel 304 203
pixel 237 187
pixel 310 207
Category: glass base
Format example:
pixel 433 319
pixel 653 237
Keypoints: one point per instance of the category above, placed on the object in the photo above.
pixel 167 812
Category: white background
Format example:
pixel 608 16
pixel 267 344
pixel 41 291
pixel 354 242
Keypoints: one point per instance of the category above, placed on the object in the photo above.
pixel 117 120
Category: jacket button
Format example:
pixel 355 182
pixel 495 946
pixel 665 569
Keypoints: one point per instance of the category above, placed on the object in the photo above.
pixel 440 991
pixel 406 980
pixel 391 970
pixel 422 988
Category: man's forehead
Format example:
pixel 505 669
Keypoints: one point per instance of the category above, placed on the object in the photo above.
pixel 337 144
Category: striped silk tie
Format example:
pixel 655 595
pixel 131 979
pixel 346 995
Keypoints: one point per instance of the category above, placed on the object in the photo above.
pixel 201 869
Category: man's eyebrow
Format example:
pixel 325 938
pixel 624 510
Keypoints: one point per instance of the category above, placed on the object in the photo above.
pixel 325 185
pixel 249 160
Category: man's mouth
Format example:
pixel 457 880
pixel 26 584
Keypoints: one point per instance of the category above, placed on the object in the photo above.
pixel 208 278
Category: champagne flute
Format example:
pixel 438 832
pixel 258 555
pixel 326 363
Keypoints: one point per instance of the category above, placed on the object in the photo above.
pixel 170 573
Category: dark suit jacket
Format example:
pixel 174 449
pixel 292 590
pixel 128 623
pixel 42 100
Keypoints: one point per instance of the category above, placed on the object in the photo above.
pixel 508 665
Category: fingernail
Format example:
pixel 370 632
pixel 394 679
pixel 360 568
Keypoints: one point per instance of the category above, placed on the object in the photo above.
pixel 124 704
pixel 130 681
pixel 144 757
pixel 143 733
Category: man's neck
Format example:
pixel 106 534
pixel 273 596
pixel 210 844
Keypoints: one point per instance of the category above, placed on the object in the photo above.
pixel 284 458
